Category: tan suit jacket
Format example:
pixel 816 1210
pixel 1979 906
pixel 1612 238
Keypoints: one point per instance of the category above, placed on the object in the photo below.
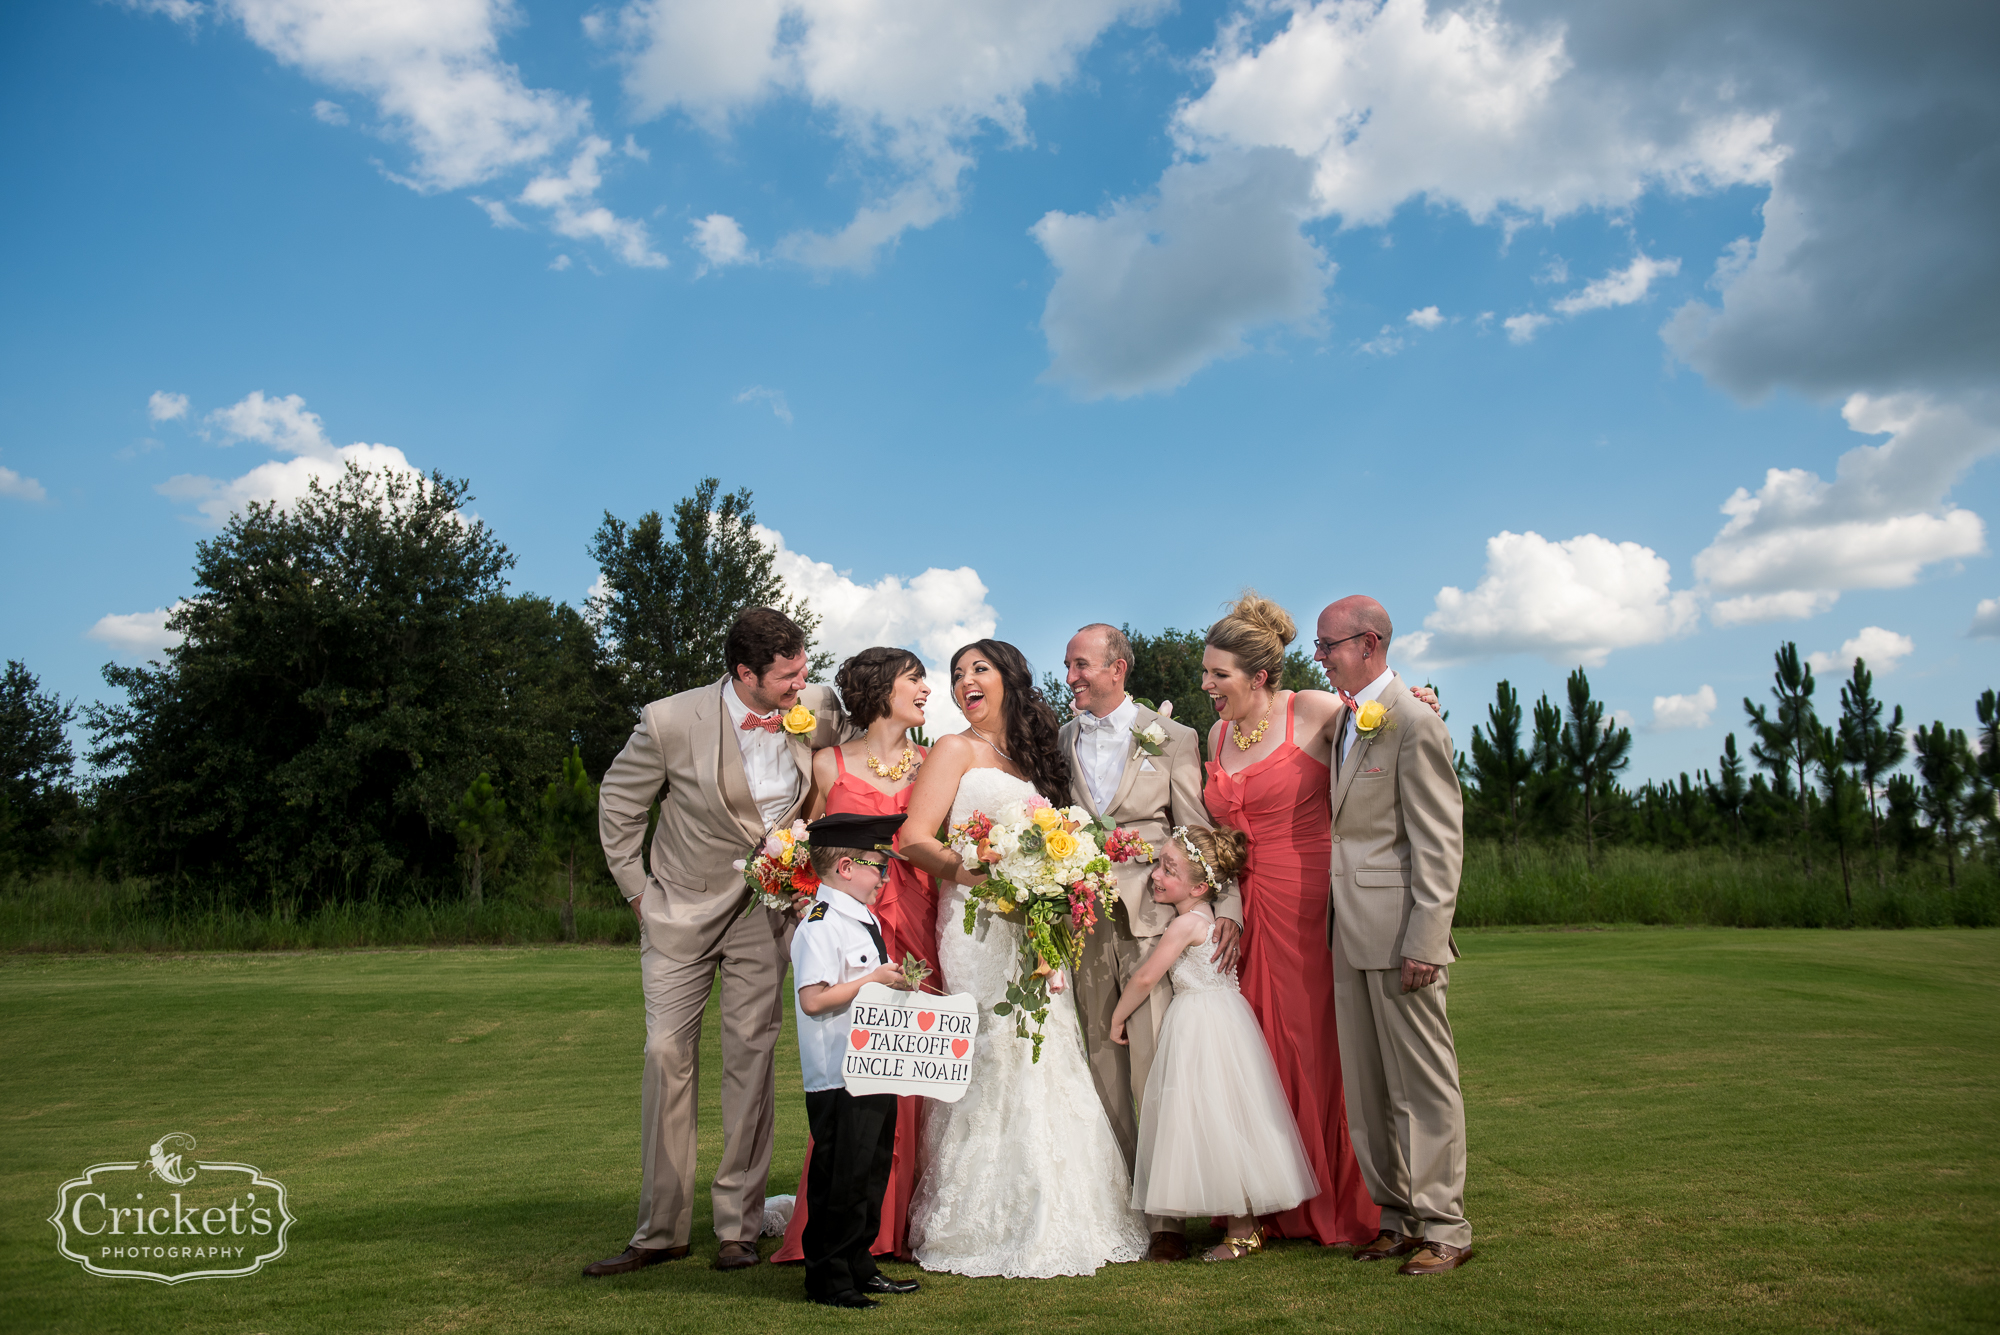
pixel 1398 840
pixel 682 756
pixel 1155 794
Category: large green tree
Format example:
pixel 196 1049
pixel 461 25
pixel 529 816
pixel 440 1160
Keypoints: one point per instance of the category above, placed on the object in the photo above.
pixel 1786 735
pixel 1593 751
pixel 670 593
pixel 349 663
pixel 1500 765
pixel 1871 744
pixel 1952 797
pixel 36 794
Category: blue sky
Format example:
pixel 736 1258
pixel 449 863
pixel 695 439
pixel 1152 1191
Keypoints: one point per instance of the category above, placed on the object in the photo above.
pixel 1020 315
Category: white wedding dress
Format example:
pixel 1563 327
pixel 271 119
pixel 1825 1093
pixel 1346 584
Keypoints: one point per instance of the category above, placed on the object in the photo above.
pixel 1022 1177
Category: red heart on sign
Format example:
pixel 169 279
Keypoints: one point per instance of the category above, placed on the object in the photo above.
pixel 958 1047
pixel 859 1038
pixel 925 1019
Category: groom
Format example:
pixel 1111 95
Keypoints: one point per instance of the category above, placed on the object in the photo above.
pixel 727 763
pixel 1398 842
pixel 1122 775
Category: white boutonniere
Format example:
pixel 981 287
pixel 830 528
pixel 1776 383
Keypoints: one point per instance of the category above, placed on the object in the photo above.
pixel 1372 718
pixel 1152 739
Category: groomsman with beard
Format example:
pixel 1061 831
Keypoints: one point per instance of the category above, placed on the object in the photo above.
pixel 1139 770
pixel 728 763
pixel 1398 845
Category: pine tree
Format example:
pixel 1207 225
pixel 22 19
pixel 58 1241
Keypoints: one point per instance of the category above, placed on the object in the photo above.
pixel 569 824
pixel 1727 795
pixel 483 835
pixel 1949 797
pixel 1785 741
pixel 1593 750
pixel 1840 813
pixel 1500 765
pixel 1872 747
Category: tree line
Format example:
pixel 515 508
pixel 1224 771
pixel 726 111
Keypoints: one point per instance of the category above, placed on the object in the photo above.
pixel 358 708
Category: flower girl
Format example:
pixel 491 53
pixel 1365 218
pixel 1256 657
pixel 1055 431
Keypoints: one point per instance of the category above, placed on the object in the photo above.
pixel 1216 1136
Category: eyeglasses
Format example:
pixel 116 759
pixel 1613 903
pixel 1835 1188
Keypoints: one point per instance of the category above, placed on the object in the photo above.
pixel 880 867
pixel 1328 646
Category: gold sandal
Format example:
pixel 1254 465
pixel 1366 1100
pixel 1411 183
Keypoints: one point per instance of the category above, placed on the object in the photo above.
pixel 1237 1248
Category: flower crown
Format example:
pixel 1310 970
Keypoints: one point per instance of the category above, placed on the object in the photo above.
pixel 1208 872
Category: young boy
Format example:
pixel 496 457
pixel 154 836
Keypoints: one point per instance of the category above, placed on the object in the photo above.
pixel 835 952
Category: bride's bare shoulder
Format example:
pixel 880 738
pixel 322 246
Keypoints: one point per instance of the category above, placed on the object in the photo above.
pixel 954 752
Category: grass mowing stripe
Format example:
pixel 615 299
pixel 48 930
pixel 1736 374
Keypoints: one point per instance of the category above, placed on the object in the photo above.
pixel 1670 1129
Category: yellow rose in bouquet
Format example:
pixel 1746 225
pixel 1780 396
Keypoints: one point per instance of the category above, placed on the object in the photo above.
pixel 1060 843
pixel 1045 818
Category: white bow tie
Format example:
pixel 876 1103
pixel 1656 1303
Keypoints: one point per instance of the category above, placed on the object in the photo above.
pixel 1089 722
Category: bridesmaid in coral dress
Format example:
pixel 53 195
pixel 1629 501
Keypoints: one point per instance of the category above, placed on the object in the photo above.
pixel 883 692
pixel 1272 750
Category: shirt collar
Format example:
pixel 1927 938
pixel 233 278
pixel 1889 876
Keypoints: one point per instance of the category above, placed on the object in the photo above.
pixel 1124 716
pixel 738 711
pixel 846 905
pixel 1375 688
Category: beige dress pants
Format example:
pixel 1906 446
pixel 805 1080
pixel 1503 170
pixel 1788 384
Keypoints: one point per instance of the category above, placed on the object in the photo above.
pixel 1111 955
pixel 1399 1070
pixel 751 961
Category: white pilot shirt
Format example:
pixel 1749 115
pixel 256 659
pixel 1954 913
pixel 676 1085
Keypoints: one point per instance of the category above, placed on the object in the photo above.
pixel 767 760
pixel 1102 746
pixel 831 946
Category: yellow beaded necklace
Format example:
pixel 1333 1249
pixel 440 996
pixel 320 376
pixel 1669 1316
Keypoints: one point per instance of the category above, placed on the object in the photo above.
pixel 1245 740
pixel 893 773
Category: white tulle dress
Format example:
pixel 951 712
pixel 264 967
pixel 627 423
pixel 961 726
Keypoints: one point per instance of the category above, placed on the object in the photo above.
pixel 1021 1177
pixel 1216 1135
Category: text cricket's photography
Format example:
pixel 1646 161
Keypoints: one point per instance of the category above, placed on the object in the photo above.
pixel 1244 664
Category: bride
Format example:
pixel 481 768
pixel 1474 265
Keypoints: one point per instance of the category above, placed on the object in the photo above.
pixel 1022 1177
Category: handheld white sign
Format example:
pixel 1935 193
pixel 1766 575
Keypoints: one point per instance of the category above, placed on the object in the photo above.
pixel 910 1043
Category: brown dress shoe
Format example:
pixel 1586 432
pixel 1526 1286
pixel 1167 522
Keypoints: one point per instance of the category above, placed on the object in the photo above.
pixel 1167 1247
pixel 633 1258
pixel 1434 1258
pixel 1387 1246
pixel 738 1256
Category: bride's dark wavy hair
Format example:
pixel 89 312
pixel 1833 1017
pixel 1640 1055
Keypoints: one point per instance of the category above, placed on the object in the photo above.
pixel 1030 734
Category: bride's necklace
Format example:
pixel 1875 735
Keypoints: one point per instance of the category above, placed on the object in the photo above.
pixel 893 773
pixel 990 742
pixel 1245 740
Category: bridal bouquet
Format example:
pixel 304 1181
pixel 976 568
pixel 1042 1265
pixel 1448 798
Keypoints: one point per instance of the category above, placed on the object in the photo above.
pixel 1051 867
pixel 778 869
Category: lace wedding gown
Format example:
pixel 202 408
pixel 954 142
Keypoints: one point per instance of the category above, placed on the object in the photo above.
pixel 1022 1177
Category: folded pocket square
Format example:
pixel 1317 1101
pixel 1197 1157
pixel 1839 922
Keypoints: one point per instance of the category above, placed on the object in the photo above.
pixel 1377 770
pixel 1146 767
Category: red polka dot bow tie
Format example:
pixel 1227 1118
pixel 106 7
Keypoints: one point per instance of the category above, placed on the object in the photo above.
pixel 1351 702
pixel 751 723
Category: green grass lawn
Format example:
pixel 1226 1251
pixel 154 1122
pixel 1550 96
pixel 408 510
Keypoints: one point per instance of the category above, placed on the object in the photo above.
pixel 1670 1129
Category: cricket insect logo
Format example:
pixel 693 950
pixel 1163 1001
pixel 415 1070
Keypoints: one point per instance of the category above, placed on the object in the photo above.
pixel 166 1158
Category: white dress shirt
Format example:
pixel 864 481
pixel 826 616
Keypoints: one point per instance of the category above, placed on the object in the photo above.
pixel 1102 747
pixel 767 759
pixel 831 946
pixel 1361 697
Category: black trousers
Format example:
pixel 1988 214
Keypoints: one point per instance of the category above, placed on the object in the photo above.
pixel 854 1140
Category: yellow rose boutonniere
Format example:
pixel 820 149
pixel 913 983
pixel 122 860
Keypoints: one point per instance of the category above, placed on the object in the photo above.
pixel 799 719
pixel 1371 718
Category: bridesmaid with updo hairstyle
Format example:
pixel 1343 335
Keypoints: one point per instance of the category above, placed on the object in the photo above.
pixel 1269 775
pixel 883 691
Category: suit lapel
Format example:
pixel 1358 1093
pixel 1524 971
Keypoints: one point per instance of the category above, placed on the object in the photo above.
pixel 1391 696
pixel 731 779
pixel 1143 719
pixel 1071 737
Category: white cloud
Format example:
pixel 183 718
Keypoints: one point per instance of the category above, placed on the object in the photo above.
pixel 775 397
pixel 1386 343
pixel 184 12
pixel 1986 620
pixel 1621 287
pixel 1570 602
pixel 329 113
pixel 932 614
pixel 283 424
pixel 1523 328
pixel 1152 290
pixel 1671 712
pixel 560 263
pixel 1427 318
pixel 570 197
pixel 21 488
pixel 165 407
pixel 1794 546
pixel 907 87
pixel 721 242
pixel 1881 649
pixel 136 634
pixel 498 211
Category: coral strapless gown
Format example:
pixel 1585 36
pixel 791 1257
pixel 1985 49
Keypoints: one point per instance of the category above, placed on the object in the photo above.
pixel 907 910
pixel 1284 803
